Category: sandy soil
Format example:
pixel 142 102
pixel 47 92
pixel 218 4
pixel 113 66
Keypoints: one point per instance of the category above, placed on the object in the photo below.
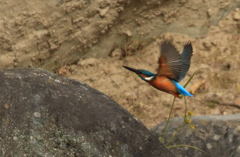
pixel 216 56
pixel 90 40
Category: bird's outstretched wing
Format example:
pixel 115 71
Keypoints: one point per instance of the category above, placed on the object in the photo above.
pixel 170 62
pixel 186 57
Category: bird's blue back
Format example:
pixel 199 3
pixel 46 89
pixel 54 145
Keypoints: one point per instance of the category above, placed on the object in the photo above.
pixel 181 89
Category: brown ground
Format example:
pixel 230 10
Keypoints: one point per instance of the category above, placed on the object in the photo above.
pixel 66 36
pixel 216 56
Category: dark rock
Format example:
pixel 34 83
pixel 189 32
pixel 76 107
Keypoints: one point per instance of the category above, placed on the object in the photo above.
pixel 226 66
pixel 43 114
pixel 217 135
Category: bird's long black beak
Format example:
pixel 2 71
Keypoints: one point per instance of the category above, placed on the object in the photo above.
pixel 131 69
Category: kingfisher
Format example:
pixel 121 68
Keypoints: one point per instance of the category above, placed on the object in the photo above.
pixel 173 67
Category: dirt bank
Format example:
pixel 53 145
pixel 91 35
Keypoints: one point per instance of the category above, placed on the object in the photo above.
pixel 90 40
pixel 216 57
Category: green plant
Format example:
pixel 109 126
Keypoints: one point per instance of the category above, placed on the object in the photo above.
pixel 187 121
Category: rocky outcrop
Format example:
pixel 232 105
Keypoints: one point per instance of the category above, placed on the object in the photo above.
pixel 43 114
pixel 217 135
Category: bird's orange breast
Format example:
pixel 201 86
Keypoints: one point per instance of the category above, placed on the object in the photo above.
pixel 164 84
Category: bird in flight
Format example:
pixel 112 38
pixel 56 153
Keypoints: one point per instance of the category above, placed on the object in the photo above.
pixel 173 67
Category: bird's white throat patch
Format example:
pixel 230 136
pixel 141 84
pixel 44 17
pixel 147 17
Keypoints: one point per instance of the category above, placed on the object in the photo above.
pixel 149 78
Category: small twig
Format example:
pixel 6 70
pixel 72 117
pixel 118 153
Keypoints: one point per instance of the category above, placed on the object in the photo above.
pixel 219 102
pixel 196 86
pixel 176 132
pixel 168 120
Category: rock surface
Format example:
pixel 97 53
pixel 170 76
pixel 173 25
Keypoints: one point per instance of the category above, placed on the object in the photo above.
pixel 43 114
pixel 217 135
